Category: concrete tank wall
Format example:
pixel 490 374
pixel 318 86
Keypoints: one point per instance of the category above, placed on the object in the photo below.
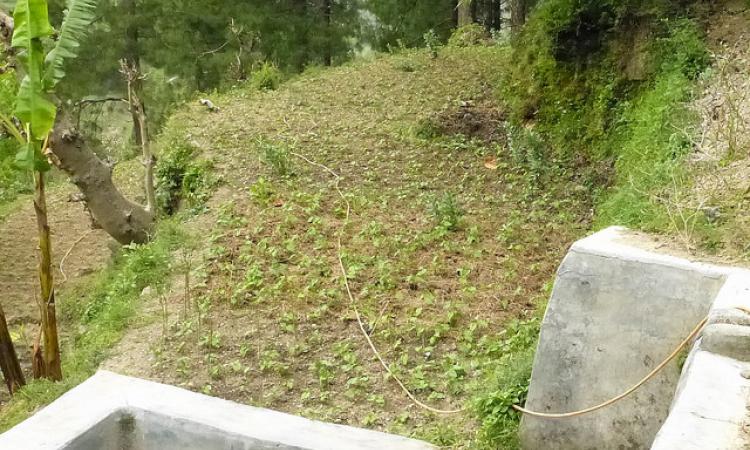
pixel 114 412
pixel 616 312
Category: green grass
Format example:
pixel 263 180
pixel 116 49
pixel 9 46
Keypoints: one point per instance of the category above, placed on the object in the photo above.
pixel 509 384
pixel 94 317
pixel 653 135
pixel 651 148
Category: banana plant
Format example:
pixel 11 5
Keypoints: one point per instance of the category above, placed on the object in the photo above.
pixel 35 112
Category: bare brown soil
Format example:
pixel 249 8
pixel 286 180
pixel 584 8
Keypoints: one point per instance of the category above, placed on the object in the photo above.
pixel 483 120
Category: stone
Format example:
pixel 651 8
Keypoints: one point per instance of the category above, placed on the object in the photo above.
pixel 727 340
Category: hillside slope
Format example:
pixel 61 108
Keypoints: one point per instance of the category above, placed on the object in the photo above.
pixel 719 168
pixel 447 245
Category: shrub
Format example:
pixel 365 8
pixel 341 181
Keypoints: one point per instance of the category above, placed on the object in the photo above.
pixel 432 42
pixel 182 176
pixel 267 78
pixel 469 35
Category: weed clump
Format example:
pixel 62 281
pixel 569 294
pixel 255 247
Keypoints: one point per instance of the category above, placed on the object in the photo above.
pixel 266 78
pixel 447 212
pixel 182 176
pixel 405 65
pixel 262 191
pixel 510 385
pixel 468 36
pixel 277 157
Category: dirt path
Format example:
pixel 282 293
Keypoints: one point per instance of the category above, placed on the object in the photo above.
pixel 18 241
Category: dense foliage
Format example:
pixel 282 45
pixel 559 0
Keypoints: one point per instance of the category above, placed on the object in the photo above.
pixel 603 84
pixel 12 182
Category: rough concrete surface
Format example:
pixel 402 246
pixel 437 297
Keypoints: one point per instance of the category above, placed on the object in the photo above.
pixel 616 312
pixel 113 412
pixel 710 408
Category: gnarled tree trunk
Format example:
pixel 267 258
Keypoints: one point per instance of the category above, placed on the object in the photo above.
pixel 122 219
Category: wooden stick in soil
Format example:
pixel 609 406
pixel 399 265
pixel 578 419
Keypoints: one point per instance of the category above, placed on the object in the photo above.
pixel 9 364
pixel 134 79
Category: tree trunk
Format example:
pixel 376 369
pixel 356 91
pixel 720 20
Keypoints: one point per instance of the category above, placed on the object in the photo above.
pixel 149 160
pixel 138 110
pixel 132 56
pixel 495 15
pixel 9 364
pixel 122 219
pixel 465 12
pixel 51 352
pixel 328 20
pixel 518 10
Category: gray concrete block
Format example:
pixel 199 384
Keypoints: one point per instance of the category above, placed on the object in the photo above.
pixel 729 316
pixel 616 311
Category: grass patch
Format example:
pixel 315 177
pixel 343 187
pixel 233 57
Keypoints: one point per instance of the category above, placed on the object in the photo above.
pixel 653 136
pixel 509 386
pixel 99 312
